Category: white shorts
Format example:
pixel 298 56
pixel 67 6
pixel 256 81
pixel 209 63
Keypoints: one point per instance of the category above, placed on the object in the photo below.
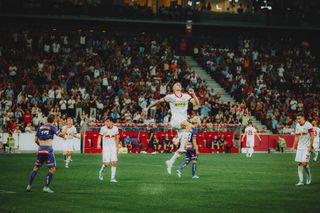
pixel 67 146
pixel 302 156
pixel 109 154
pixel 250 143
pixel 176 122
pixel 316 146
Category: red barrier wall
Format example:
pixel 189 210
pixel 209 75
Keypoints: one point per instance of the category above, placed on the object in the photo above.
pixel 269 142
pixel 91 139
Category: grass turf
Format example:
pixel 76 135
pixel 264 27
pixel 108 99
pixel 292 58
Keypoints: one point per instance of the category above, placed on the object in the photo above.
pixel 228 183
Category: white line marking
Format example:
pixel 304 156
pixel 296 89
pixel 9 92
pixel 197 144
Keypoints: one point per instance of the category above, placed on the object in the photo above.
pixel 6 192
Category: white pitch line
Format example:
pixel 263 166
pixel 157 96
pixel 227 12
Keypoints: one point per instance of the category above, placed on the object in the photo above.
pixel 6 192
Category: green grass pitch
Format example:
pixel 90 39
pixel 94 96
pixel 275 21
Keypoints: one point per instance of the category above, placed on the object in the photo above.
pixel 228 183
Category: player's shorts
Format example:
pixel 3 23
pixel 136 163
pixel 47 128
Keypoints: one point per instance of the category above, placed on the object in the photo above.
pixel 316 146
pixel 109 154
pixel 45 155
pixel 191 155
pixel 302 156
pixel 67 146
pixel 176 122
pixel 250 143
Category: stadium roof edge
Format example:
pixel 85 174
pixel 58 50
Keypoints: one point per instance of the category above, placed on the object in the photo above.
pixel 202 24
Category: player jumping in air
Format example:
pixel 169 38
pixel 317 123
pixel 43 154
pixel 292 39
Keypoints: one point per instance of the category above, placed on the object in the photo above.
pixel 70 132
pixel 178 102
pixel 43 139
pixel 249 133
pixel 303 143
pixel 191 148
pixel 110 148
pixel 316 144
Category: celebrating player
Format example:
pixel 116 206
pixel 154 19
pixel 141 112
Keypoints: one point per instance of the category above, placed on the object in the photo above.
pixel 191 147
pixel 70 132
pixel 316 147
pixel 43 139
pixel 304 137
pixel 249 133
pixel 179 110
pixel 110 147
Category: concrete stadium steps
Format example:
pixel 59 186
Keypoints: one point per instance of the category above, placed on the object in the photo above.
pixel 212 84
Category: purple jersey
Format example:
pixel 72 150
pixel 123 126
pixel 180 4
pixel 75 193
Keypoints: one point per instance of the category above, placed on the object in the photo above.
pixel 46 132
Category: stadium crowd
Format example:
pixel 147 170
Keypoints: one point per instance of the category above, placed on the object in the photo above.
pixel 91 75
pixel 274 80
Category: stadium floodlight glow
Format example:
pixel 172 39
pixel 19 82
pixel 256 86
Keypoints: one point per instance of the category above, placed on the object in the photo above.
pixel 190 3
pixel 218 7
pixel 236 1
pixel 266 5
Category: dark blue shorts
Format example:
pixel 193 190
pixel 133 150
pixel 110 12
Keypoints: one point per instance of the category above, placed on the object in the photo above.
pixel 191 155
pixel 45 156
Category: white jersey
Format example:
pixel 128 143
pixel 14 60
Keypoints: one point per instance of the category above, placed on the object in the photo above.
pixel 178 106
pixel 316 131
pixel 302 132
pixel 108 136
pixel 67 145
pixel 250 132
pixel 70 132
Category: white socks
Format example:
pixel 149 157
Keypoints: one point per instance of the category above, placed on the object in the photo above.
pixel 174 158
pixel 113 172
pixel 250 151
pixel 316 155
pixel 307 169
pixel 300 174
pixel 102 168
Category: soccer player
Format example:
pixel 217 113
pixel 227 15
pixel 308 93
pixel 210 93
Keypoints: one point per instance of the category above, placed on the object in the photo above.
pixel 110 148
pixel 303 143
pixel 191 148
pixel 43 139
pixel 316 147
pixel 70 132
pixel 178 102
pixel 249 133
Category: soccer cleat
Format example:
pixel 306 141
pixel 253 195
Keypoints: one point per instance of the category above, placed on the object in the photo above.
pixel 195 177
pixel 66 166
pixel 47 189
pixel 28 189
pixel 179 173
pixel 169 166
pixel 113 181
pixel 299 184
pixel 314 159
pixel 308 181
pixel 100 175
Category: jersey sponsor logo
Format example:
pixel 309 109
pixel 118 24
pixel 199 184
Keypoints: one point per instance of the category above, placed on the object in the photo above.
pixel 301 133
pixel 180 104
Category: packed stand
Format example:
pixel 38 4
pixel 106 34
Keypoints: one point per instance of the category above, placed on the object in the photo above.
pixel 272 80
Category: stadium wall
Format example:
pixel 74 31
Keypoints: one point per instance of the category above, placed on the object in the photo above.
pixel 25 141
